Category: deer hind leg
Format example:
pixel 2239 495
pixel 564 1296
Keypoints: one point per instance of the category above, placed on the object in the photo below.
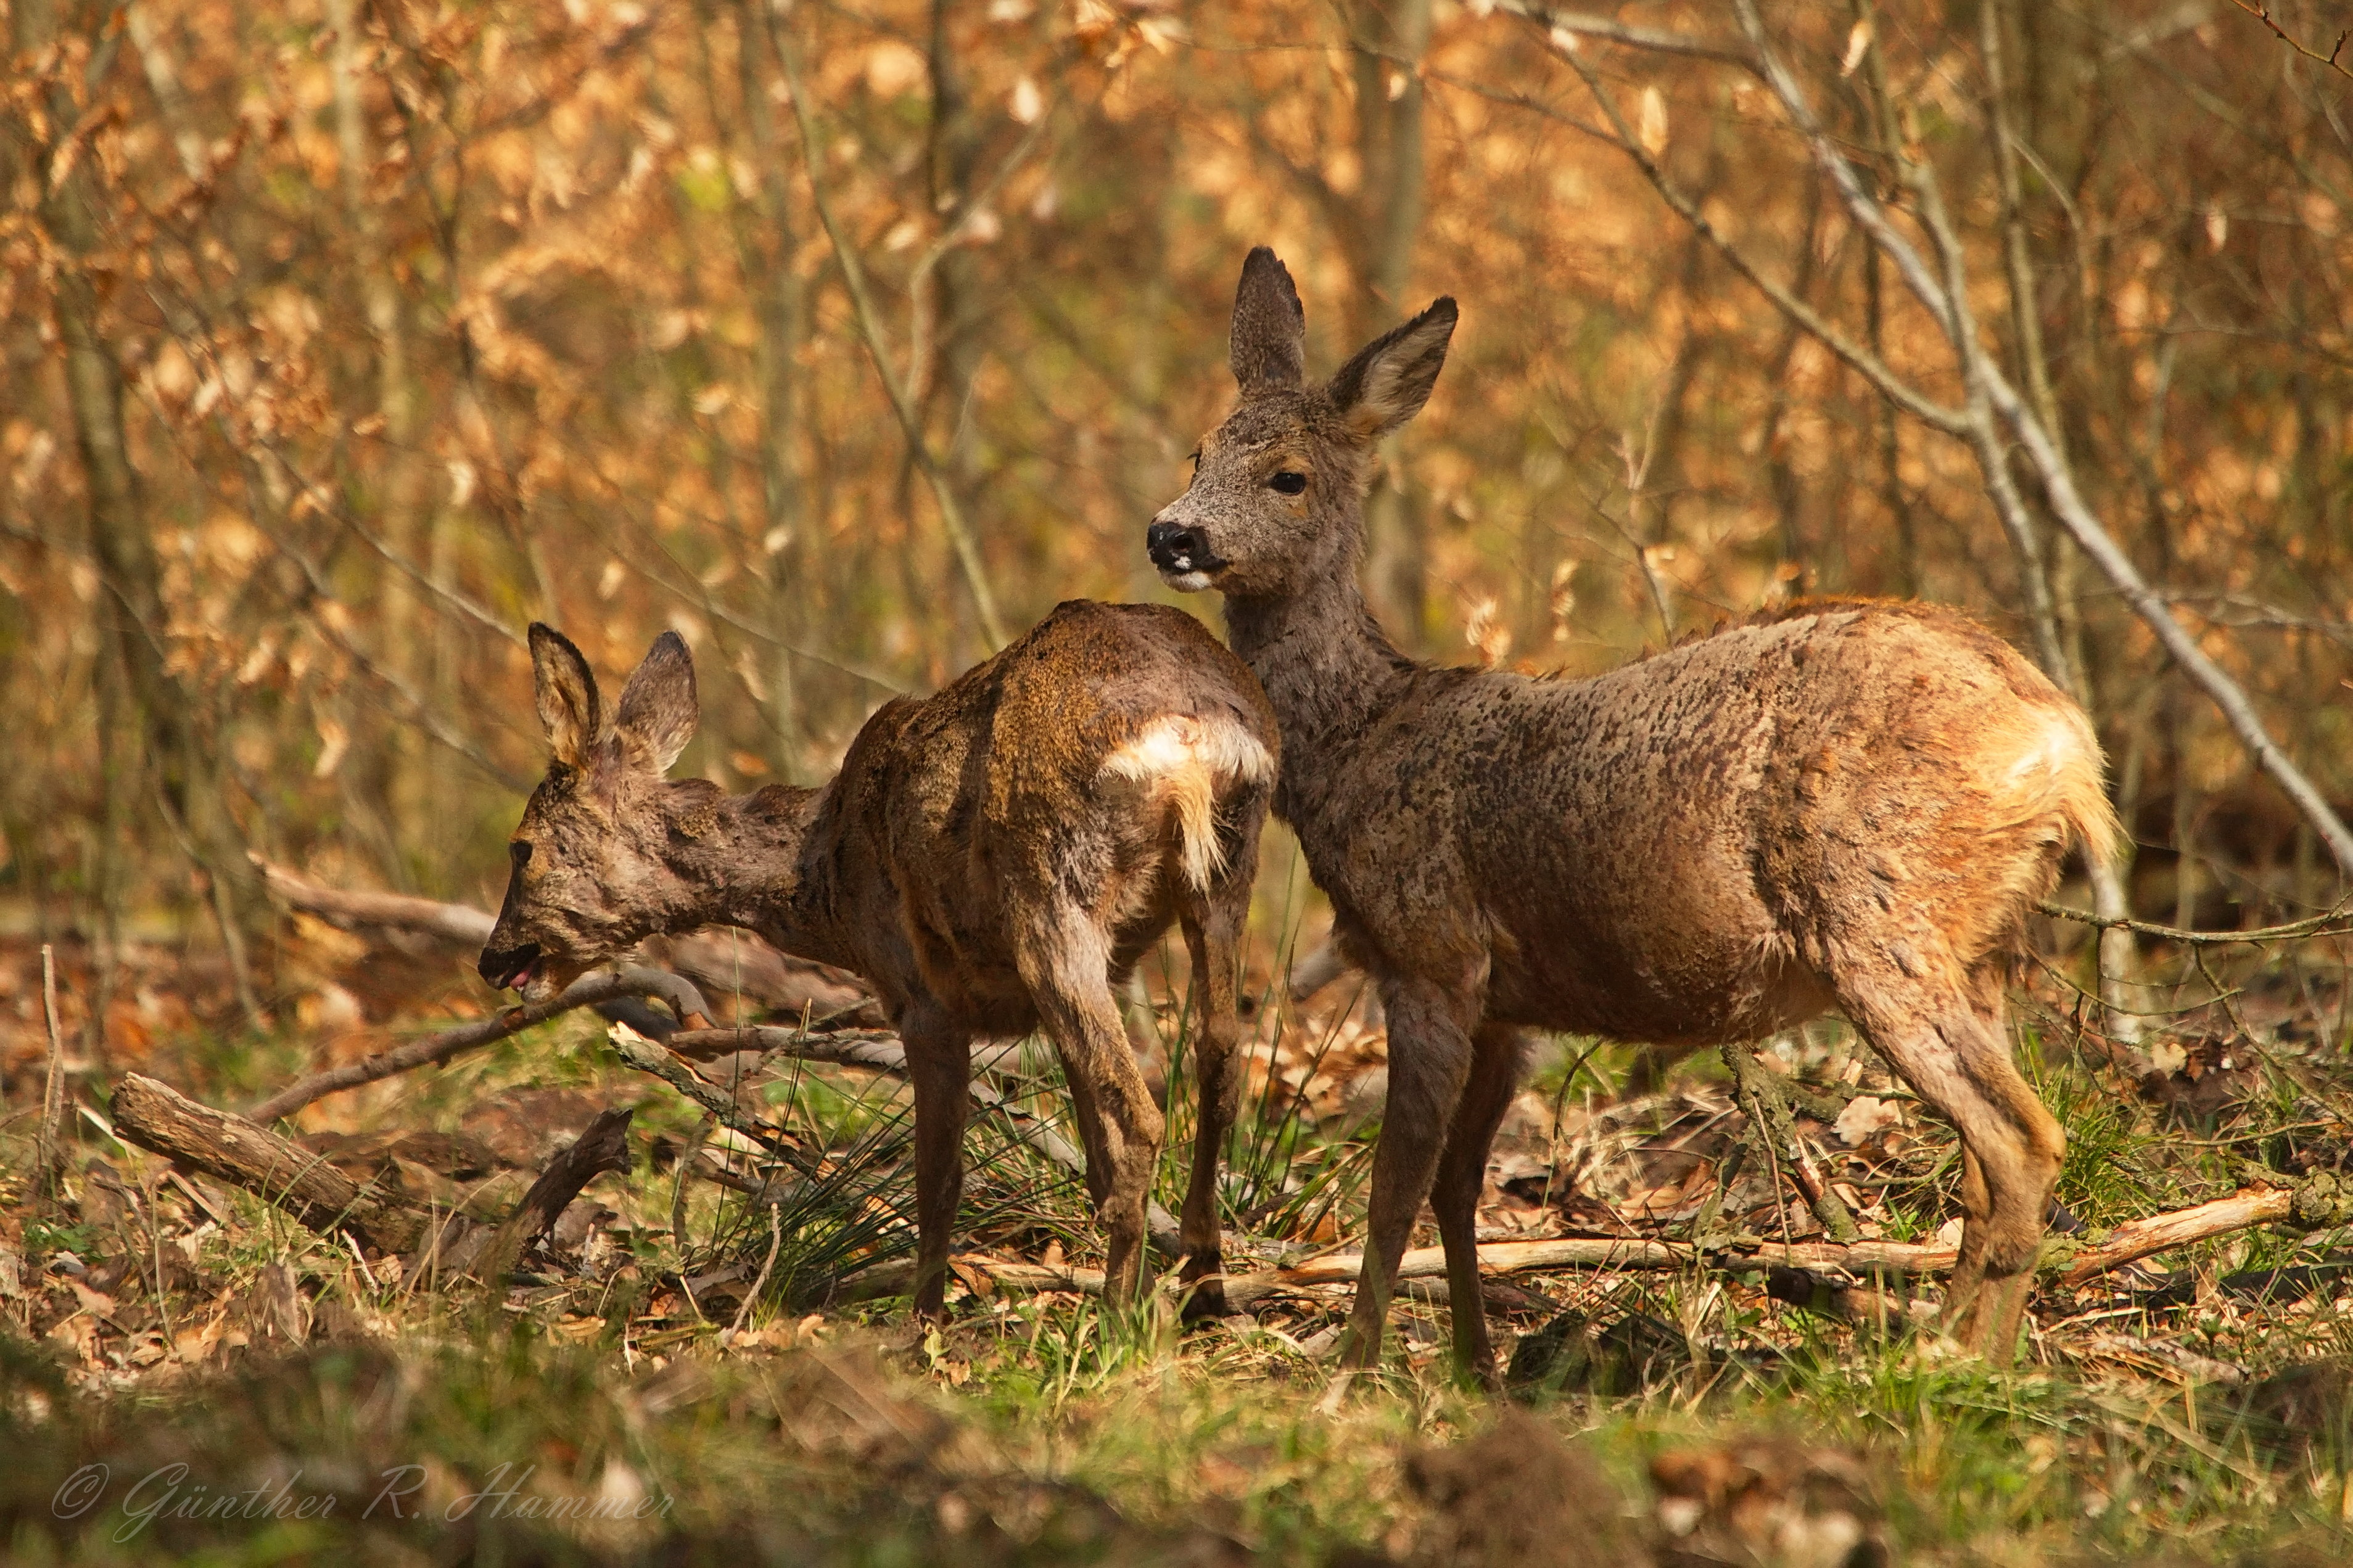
pixel 1430 1055
pixel 1951 1044
pixel 1461 1175
pixel 939 1061
pixel 1212 935
pixel 1065 961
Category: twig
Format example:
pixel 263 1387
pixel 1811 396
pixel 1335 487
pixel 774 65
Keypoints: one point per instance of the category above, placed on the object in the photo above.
pixel 48 1156
pixel 601 985
pixel 2067 505
pixel 459 923
pixel 603 1146
pixel 1577 24
pixel 1869 365
pixel 2337 921
pixel 775 1245
pixel 1764 1097
pixel 882 1052
pixel 2263 13
pixel 2319 1202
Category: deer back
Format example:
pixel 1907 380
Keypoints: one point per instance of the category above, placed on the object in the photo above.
pixel 1086 764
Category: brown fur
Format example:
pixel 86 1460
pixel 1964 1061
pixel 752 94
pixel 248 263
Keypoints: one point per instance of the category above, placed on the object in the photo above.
pixel 1850 805
pixel 994 858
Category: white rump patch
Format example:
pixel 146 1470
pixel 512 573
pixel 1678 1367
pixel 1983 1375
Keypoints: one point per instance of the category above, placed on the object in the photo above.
pixel 1186 761
pixel 2051 750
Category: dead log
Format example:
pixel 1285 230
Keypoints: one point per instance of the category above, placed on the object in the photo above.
pixel 599 986
pixel 490 1253
pixel 159 1118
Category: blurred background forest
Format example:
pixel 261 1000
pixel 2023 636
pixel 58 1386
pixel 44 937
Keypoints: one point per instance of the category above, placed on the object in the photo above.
pixel 341 338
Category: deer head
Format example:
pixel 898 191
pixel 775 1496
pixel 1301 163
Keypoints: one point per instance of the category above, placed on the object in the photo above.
pixel 590 877
pixel 1277 496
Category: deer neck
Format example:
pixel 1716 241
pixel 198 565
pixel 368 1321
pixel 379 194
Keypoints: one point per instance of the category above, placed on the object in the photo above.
pixel 752 860
pixel 1330 672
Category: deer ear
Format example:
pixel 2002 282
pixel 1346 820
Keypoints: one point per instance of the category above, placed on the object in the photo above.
pixel 658 708
pixel 1389 380
pixel 1269 349
pixel 566 692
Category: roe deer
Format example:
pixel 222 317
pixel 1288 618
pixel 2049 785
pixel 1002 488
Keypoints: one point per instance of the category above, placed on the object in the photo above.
pixel 994 858
pixel 1849 807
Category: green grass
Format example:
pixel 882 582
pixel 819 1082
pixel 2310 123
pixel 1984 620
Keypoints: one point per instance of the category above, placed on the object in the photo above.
pixel 1051 1429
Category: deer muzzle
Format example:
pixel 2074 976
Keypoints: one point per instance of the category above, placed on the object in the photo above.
pixel 1182 553
pixel 509 968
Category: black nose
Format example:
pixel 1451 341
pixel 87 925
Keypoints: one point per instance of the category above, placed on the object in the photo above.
pixel 509 967
pixel 1174 547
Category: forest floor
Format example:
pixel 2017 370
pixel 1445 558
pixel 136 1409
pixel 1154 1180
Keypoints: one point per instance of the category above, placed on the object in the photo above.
pixel 188 1372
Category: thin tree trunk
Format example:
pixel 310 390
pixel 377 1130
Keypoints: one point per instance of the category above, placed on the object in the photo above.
pixel 2118 958
pixel 131 611
pixel 1390 37
pixel 776 296
pixel 403 785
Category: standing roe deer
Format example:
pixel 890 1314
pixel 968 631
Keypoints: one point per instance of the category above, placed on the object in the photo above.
pixel 994 858
pixel 1851 806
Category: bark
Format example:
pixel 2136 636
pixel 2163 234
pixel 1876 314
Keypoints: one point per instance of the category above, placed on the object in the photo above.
pixel 158 1117
pixel 602 1147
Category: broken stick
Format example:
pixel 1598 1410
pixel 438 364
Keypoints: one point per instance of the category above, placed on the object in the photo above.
pixel 599 986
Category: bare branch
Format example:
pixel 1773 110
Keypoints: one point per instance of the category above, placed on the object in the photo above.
pixel 871 332
pixel 1564 25
pixel 2067 504
pixel 602 986
pixel 1868 364
pixel 2335 922
pixel 2331 59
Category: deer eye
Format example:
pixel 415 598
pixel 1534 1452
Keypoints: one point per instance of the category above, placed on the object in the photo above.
pixel 1288 483
pixel 519 851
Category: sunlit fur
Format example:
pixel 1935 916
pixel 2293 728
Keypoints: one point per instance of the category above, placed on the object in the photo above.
pixel 994 858
pixel 1847 805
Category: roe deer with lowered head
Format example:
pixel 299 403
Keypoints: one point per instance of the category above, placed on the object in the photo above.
pixel 994 858
pixel 1850 806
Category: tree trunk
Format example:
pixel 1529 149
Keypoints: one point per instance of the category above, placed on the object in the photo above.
pixel 1390 37
pixel 132 615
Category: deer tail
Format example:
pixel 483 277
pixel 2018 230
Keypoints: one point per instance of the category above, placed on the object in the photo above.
pixel 1191 765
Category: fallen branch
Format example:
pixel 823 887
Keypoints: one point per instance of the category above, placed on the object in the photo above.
pixel 2319 1202
pixel 459 923
pixel 2316 1204
pixel 601 985
pixel 159 1118
pixel 720 961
